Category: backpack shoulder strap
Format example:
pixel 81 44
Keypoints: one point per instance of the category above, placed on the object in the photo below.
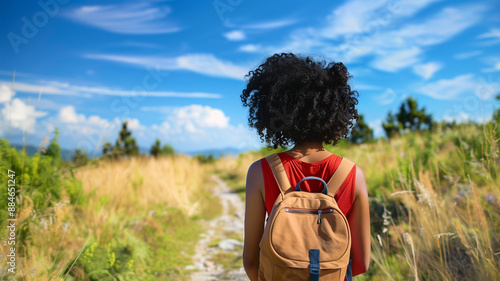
pixel 339 176
pixel 279 172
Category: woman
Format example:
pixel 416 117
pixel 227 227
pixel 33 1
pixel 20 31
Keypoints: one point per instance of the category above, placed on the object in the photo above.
pixel 296 100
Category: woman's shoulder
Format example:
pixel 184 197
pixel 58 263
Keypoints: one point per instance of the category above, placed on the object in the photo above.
pixel 255 168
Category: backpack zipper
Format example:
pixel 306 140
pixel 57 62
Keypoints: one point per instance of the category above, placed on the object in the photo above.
pixel 309 211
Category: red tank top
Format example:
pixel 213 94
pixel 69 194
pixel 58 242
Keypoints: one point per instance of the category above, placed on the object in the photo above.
pixel 297 170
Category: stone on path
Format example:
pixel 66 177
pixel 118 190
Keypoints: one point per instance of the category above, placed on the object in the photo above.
pixel 229 244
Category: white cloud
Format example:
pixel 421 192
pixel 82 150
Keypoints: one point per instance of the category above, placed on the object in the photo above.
pixel 125 18
pixel 206 64
pixel 427 70
pixel 134 124
pixel 368 17
pixel 197 127
pixel 90 132
pixel 460 86
pixel 403 43
pixel 196 118
pixel 359 29
pixel 235 35
pixel 250 48
pixel 5 93
pixel 68 114
pixel 59 88
pixel 439 28
pixel 20 116
pixel 397 59
pixel 359 87
pixel 493 33
pixel 210 65
pixel 387 97
pixel 495 67
pixel 351 17
pixel 467 55
pixel 266 25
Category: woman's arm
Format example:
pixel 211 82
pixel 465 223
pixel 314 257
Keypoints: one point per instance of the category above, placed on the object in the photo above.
pixel 255 213
pixel 359 222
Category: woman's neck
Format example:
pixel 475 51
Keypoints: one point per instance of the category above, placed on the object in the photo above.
pixel 307 149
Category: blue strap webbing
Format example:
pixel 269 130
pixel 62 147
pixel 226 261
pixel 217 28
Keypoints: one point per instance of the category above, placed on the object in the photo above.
pixel 314 265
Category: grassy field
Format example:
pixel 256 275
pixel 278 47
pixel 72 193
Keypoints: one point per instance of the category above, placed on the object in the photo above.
pixel 434 200
pixel 135 219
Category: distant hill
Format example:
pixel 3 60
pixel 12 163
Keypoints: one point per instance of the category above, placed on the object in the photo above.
pixel 66 154
pixel 215 152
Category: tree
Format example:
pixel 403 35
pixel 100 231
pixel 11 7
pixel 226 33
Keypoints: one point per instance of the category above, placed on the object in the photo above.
pixel 125 145
pixel 390 126
pixel 409 118
pixel 361 132
pixel 54 149
pixel 107 148
pixel 129 146
pixel 156 149
pixel 80 158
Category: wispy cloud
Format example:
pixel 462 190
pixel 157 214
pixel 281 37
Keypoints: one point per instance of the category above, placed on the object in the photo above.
pixel 358 87
pixel 368 17
pixel 206 64
pixel 270 24
pixel 359 29
pixel 494 65
pixel 489 38
pixel 467 55
pixel 235 35
pixel 59 88
pixel 427 70
pixel 396 60
pixel 387 97
pixel 126 18
pixel 493 33
pixel 460 87
pixel 263 25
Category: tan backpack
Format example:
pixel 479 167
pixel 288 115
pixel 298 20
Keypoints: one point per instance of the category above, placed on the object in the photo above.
pixel 307 237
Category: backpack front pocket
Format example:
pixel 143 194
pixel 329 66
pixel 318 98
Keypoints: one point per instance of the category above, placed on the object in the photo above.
pixel 324 232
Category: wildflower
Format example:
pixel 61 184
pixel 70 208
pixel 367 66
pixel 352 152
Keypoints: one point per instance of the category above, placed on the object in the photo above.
pixel 386 216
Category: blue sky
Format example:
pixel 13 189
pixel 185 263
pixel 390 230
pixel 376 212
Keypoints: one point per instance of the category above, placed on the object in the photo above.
pixel 175 69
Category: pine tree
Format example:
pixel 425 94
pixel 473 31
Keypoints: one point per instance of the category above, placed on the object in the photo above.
pixel 125 145
pixel 156 149
pixel 409 118
pixel 54 149
pixel 80 158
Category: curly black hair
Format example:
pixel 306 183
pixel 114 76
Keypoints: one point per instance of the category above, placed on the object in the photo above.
pixel 293 99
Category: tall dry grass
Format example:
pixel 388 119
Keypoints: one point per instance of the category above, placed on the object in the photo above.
pixel 177 182
pixel 119 202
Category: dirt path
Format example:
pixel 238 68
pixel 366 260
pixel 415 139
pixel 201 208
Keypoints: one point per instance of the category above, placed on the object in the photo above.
pixel 218 253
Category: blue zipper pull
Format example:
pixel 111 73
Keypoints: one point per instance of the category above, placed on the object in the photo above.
pixel 319 216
